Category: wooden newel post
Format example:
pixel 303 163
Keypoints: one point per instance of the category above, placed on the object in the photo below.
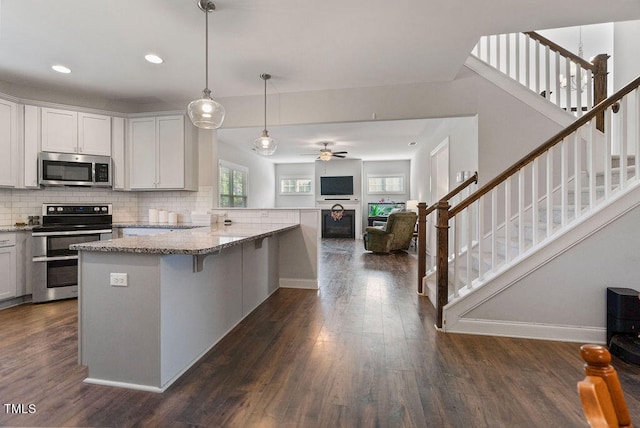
pixel 422 243
pixel 442 258
pixel 600 85
pixel 598 363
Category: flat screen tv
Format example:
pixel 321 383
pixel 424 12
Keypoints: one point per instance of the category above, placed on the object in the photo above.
pixel 339 185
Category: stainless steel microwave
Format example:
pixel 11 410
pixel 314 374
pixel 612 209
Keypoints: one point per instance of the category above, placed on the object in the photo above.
pixel 66 169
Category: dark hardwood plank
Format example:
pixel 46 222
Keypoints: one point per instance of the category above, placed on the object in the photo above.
pixel 361 351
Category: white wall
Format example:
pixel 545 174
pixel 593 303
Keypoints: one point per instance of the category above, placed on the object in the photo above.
pixel 596 39
pixel 463 154
pixel 261 175
pixel 507 128
pixel 626 47
pixel 338 167
pixel 584 271
pixel 399 167
pixel 295 170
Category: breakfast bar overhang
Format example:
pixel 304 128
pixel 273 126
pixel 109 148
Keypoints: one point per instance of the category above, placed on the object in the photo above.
pixel 179 293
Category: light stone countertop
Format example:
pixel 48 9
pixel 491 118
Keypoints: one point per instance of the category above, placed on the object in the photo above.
pixel 146 224
pixel 13 228
pixel 197 241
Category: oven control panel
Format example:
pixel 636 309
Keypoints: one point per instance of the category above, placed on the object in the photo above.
pixel 73 209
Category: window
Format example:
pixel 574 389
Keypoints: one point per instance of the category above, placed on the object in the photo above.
pixel 295 186
pixel 232 185
pixel 385 183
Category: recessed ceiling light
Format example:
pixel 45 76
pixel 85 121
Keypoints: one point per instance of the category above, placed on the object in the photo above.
pixel 61 69
pixel 155 59
pixel 413 143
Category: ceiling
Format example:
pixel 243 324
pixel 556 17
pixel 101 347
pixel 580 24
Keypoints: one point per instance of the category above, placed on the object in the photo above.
pixel 371 141
pixel 305 45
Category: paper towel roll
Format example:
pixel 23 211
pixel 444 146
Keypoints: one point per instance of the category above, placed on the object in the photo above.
pixel 153 215
pixel 163 216
pixel 173 218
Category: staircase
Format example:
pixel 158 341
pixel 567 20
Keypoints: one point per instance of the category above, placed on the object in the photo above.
pixel 565 191
pixel 508 243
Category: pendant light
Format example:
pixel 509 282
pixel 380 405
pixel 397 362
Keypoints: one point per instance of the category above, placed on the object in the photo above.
pixel 205 112
pixel 265 145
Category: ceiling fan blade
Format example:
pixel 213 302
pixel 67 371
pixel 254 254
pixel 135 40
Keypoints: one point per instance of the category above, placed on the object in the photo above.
pixel 339 156
pixel 340 153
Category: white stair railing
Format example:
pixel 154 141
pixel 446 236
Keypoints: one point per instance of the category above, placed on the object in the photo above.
pixel 569 177
pixel 539 64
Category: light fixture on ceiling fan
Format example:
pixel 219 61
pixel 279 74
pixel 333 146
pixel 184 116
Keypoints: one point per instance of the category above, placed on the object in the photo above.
pixel 205 112
pixel 326 154
pixel 265 145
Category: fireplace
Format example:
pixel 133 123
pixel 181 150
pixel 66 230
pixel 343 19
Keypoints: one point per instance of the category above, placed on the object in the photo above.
pixel 343 228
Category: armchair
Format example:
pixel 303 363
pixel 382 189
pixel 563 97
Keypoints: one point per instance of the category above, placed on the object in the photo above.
pixel 396 234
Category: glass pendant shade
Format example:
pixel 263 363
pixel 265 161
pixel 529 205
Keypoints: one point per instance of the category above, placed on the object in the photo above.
pixel 265 145
pixel 206 113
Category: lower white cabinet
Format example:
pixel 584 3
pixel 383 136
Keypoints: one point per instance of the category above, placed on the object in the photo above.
pixel 8 265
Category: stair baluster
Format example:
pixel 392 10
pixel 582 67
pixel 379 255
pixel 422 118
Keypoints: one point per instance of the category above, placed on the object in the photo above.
pixel 552 202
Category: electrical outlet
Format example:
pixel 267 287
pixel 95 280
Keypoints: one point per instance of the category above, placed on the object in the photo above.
pixel 119 280
pixel 264 213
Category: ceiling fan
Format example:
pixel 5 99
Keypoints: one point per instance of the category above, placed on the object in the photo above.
pixel 326 154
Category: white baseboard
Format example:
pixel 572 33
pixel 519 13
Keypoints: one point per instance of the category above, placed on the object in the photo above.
pixel 562 333
pixel 126 385
pixel 310 284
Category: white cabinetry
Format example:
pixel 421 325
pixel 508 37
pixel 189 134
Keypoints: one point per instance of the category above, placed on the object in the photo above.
pixel 8 265
pixel 94 134
pixel 8 143
pixel 118 153
pixel 67 131
pixel 162 154
pixel 31 146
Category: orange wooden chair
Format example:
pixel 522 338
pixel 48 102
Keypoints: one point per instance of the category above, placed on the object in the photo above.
pixel 600 391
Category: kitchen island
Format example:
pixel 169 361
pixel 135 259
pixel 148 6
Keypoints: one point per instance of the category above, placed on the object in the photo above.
pixel 175 295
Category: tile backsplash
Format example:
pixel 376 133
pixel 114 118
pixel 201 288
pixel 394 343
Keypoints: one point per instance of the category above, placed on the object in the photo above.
pixel 17 204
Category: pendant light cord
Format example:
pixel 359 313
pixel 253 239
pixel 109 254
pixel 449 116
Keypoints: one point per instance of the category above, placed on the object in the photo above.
pixel 265 103
pixel 206 44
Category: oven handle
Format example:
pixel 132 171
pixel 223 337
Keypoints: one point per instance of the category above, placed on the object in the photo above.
pixel 53 259
pixel 73 232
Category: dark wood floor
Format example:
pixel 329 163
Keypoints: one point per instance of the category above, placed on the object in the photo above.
pixel 360 352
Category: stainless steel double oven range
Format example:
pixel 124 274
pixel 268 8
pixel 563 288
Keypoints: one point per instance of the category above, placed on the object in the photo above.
pixel 55 266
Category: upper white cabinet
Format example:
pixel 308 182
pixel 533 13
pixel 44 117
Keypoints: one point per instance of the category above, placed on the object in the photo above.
pixel 118 153
pixel 163 154
pixel 94 134
pixel 31 147
pixel 67 131
pixel 8 143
